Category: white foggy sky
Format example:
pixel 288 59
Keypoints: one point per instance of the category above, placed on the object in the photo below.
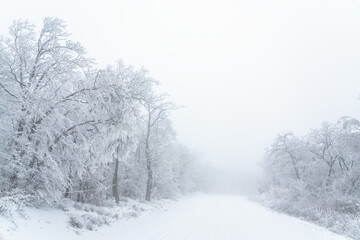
pixel 246 69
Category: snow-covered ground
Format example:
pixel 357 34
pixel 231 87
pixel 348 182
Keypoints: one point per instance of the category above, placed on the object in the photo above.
pixel 195 217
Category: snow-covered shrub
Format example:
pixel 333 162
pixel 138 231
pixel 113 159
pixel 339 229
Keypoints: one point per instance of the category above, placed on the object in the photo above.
pixel 12 204
pixel 90 221
pixel 88 216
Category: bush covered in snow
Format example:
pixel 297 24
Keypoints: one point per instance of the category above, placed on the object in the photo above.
pixel 90 217
pixel 317 177
pixel 12 204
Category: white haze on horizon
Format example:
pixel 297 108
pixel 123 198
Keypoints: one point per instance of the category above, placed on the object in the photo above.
pixel 245 70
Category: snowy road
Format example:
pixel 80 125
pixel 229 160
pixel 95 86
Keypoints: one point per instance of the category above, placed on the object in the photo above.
pixel 199 217
pixel 216 217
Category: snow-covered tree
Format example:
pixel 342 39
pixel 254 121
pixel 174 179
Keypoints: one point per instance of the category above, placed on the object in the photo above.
pixel 71 130
pixel 43 79
pixel 156 113
pixel 316 176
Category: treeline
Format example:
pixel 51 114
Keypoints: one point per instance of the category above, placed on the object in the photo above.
pixel 71 130
pixel 317 176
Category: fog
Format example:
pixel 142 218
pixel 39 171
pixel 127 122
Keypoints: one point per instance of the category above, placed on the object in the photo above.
pixel 245 70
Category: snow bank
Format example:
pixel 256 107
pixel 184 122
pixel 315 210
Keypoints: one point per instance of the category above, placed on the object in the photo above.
pixel 71 221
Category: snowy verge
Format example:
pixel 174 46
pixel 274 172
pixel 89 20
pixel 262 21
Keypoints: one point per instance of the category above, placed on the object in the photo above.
pixel 317 211
pixel 70 220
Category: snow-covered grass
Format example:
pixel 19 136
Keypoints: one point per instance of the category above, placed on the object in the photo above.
pixel 69 221
pixel 12 205
pixel 200 216
pixel 337 213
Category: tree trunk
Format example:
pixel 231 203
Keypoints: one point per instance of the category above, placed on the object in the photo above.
pixel 115 180
pixel 67 193
pixel 149 181
pixel 148 163
pixel 67 190
pixel 295 166
pixel 79 198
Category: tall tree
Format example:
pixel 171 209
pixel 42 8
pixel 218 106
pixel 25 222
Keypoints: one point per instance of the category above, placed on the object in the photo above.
pixel 157 109
pixel 40 78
